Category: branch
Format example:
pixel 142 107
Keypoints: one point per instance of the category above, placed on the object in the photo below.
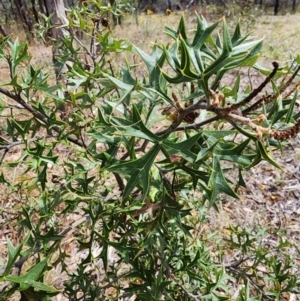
pixel 10 145
pixel 287 84
pixel 198 125
pixel 270 98
pixel 251 123
pixel 234 264
pixel 18 264
pixel 45 121
pixel 38 115
pixel 254 93
pixel 194 297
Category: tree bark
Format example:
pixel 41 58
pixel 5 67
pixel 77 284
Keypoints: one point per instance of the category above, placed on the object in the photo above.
pixel 22 12
pixel 276 7
pixel 294 6
pixel 35 12
pixel 57 8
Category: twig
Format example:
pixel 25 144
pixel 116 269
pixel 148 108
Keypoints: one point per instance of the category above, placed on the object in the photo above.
pixel 38 115
pixel 9 145
pixel 166 181
pixel 15 143
pixel 234 264
pixel 194 297
pixel 37 249
pixel 287 84
pixel 269 98
pixel 80 43
pixel 198 125
pixel 254 93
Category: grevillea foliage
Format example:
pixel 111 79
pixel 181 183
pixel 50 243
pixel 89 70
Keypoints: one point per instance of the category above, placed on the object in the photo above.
pixel 147 158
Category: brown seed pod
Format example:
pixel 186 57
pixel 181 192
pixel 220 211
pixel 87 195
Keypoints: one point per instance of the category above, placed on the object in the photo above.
pixel 191 117
pixel 105 22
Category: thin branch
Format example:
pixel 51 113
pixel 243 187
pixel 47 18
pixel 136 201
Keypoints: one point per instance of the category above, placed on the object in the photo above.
pixel 38 115
pixel 37 249
pixel 194 297
pixel 254 93
pixel 10 145
pixel 258 103
pixel 234 264
pixel 80 43
pixel 198 125
pixel 166 181
pixel 269 98
pixel 287 84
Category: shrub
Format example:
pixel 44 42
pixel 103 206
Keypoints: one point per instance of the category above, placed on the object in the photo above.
pixel 141 161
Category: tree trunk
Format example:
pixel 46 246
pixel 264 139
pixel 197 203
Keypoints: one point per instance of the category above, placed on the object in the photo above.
pixel 169 4
pixel 22 12
pixel 294 6
pixel 35 12
pixel 57 8
pixel 276 7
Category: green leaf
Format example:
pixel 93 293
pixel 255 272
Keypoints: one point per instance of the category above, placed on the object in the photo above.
pixel 241 181
pixel 182 29
pixel 42 177
pixel 154 64
pixel 234 153
pixel 104 138
pixel 182 148
pixel 196 175
pixel 227 44
pixel 264 155
pixel 236 35
pixel 114 83
pixel 28 280
pixel 13 254
pixel 291 108
pixel 202 32
pixel 217 182
pixel 138 171
pixel 19 53
pixel 218 134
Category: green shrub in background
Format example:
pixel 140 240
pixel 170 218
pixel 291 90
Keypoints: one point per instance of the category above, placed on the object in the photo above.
pixel 147 158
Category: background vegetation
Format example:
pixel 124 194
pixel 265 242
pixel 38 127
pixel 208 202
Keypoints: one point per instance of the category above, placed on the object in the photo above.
pixel 27 12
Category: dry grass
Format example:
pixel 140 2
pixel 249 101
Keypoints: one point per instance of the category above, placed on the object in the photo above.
pixel 281 33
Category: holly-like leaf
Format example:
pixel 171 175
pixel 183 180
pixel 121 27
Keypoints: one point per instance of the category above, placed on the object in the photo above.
pixel 28 280
pixel 182 148
pixel 196 175
pixel 138 171
pixel 218 183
